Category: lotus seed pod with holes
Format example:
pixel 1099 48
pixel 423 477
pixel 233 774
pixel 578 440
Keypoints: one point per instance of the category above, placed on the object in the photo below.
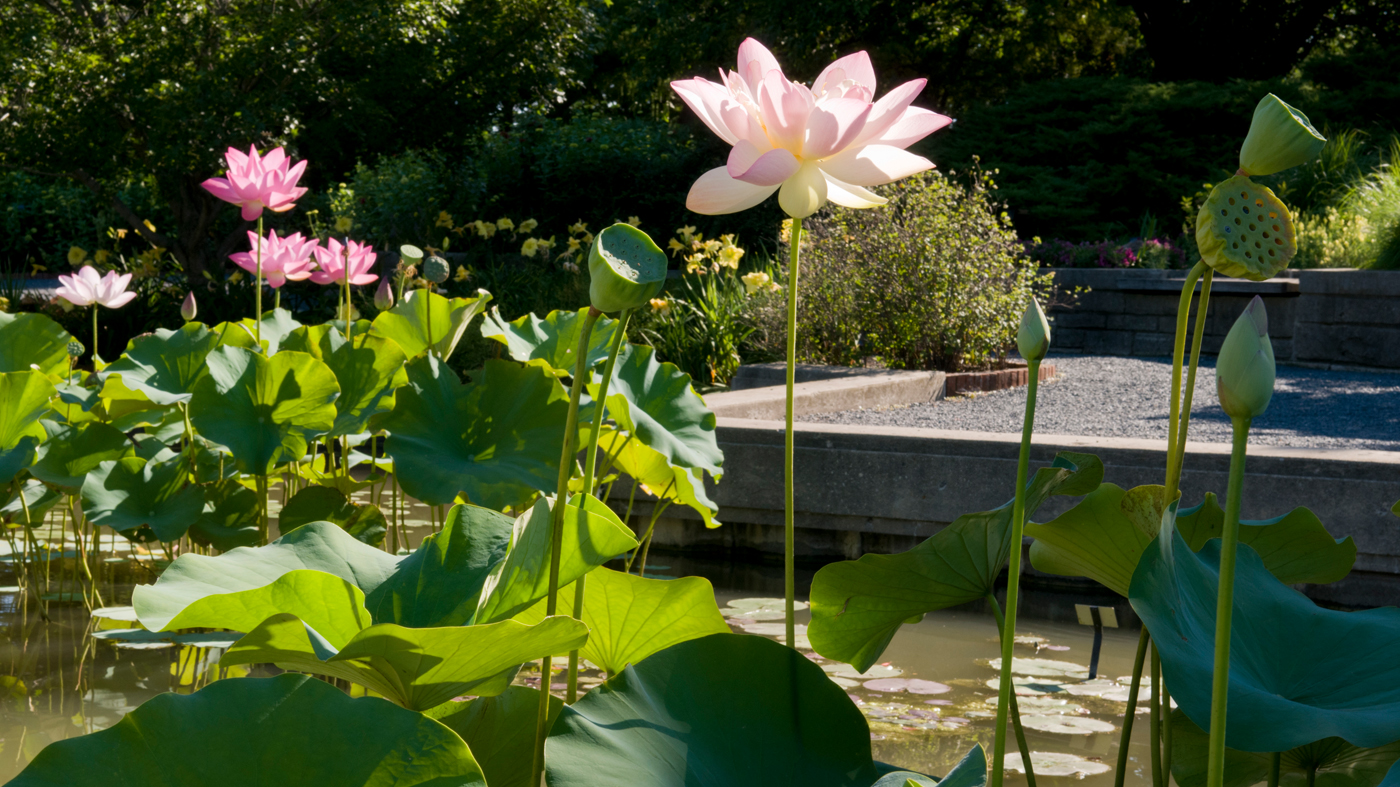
pixel 1243 230
pixel 1280 137
pixel 411 254
pixel 384 296
pixel 1033 338
pixel 1244 370
pixel 436 269
pixel 75 348
pixel 627 268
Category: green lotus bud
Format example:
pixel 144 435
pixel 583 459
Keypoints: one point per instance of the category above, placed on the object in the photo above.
pixel 411 254
pixel 189 309
pixel 1279 137
pixel 627 269
pixel 1033 338
pixel 1243 230
pixel 1244 370
pixel 384 296
pixel 436 269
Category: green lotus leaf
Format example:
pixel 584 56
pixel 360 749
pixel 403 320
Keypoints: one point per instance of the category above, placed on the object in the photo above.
pixel 368 370
pixel 496 442
pixel 317 598
pixel 1332 762
pixel 235 334
pixel 38 499
pixel 17 459
pixel 127 409
pixel 163 366
pixel 1298 672
pixel 655 402
pixel 416 668
pixel 28 339
pixel 76 404
pixel 858 605
pixel 408 322
pixel 657 476
pixel 71 452
pixel 630 617
pixel 24 397
pixel 500 731
pixel 592 535
pixel 672 721
pixel 440 583
pixel 319 547
pixel 1105 535
pixel 265 410
pixel 322 504
pixel 261 732
pixel 971 771
pixel 129 494
pixel 229 518
pixel 277 325
pixel 551 342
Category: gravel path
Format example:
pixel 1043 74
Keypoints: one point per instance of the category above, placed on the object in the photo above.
pixel 1105 396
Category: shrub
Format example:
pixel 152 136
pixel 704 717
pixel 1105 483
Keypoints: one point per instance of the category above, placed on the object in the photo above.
pixel 1135 253
pixel 45 217
pixel 1376 202
pixel 936 279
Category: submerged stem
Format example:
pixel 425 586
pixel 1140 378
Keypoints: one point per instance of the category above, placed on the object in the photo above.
pixel 1127 735
pixel 1225 605
pixel 1008 634
pixel 789 521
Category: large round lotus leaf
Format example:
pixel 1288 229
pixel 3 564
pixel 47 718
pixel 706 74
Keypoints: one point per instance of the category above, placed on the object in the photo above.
pixel 630 617
pixel 654 402
pixel 685 716
pixel 28 340
pixel 277 325
pixel 424 318
pixel 858 605
pixel 364 521
pixel 1298 672
pixel 24 396
pixel 164 366
pixel 658 477
pixel 1333 761
pixel 129 494
pixel 71 452
pixel 1065 725
pixel 551 342
pixel 229 518
pixel 368 370
pixel 496 442
pixel 265 410
pixel 1103 537
pixel 500 731
pixel 34 498
pixel 261 732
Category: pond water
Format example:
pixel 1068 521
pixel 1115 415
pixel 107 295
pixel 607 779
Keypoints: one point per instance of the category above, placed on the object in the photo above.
pixel 59 678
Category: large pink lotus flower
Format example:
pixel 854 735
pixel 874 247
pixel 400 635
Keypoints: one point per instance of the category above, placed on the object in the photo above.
pixel 86 288
pixel 332 260
pixel 283 259
pixel 255 182
pixel 827 142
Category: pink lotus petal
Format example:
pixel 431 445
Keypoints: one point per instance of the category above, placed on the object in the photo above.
pixel 873 165
pixel 120 300
pixel 888 109
pixel 706 100
pixel 913 125
pixel 767 169
pixel 849 196
pixel 832 125
pixel 715 193
pixel 755 62
pixel 251 210
pixel 784 107
pixel 855 67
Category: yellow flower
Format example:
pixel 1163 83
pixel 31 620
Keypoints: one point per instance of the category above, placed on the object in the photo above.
pixel 675 246
pixel 785 234
pixel 149 225
pixel 753 282
pixel 505 224
pixel 729 257
pixel 634 221
pixel 530 247
pixel 661 306
pixel 485 229
pixel 76 255
pixel 343 224
pixel 460 231
pixel 100 256
pixel 546 245
pixel 121 234
pixel 38 267
pixel 578 228
pixel 711 246
pixel 462 274
pixel 687 233
pixel 236 277
pixel 587 238
pixel 444 219
pixel 574 245
pixel 527 225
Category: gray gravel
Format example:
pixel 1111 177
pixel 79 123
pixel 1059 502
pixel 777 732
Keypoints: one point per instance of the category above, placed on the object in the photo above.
pixel 1105 396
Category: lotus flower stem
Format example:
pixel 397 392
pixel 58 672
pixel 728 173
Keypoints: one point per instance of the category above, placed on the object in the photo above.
pixel 257 300
pixel 1275 763
pixel 1018 515
pixel 556 541
pixel 789 511
pixel 590 462
pixel 94 339
pixel 1225 603
pixel 1015 710
pixel 1127 736
pixel 1154 719
pixel 1183 311
pixel 1202 305
pixel 349 312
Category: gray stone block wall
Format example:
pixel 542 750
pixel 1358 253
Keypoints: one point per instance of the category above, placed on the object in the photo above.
pixel 1349 317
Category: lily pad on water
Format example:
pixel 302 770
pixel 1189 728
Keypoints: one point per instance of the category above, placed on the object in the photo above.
pixel 1053 763
pixel 1027 687
pixel 496 442
pixel 551 342
pixel 500 731
pixel 133 493
pixel 1043 668
pixel 1065 725
pixel 1332 761
pixel 124 614
pixel 164 366
pixel 857 606
pixel 364 521
pixel 423 317
pixel 1298 672
pixel 911 685
pixel 629 617
pixel 265 410
pixel 656 403
pixel 673 719
pixel 878 671
pixel 29 339
pixel 260 732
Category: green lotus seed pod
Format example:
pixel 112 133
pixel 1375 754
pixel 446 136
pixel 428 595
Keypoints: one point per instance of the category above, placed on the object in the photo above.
pixel 1244 370
pixel 75 348
pixel 436 269
pixel 410 254
pixel 1280 137
pixel 1033 338
pixel 1243 230
pixel 627 269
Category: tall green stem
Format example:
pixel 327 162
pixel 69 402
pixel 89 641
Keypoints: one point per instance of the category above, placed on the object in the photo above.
pixel 1275 763
pixel 1183 311
pixel 556 539
pixel 1154 720
pixel 1174 479
pixel 1166 733
pixel 1225 604
pixel 257 289
pixel 1013 579
pixel 789 510
pixel 1015 710
pixel 590 463
pixel 349 320
pixel 1127 737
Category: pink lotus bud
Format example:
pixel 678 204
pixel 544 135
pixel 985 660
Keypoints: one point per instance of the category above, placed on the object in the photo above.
pixel 384 296
pixel 188 309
